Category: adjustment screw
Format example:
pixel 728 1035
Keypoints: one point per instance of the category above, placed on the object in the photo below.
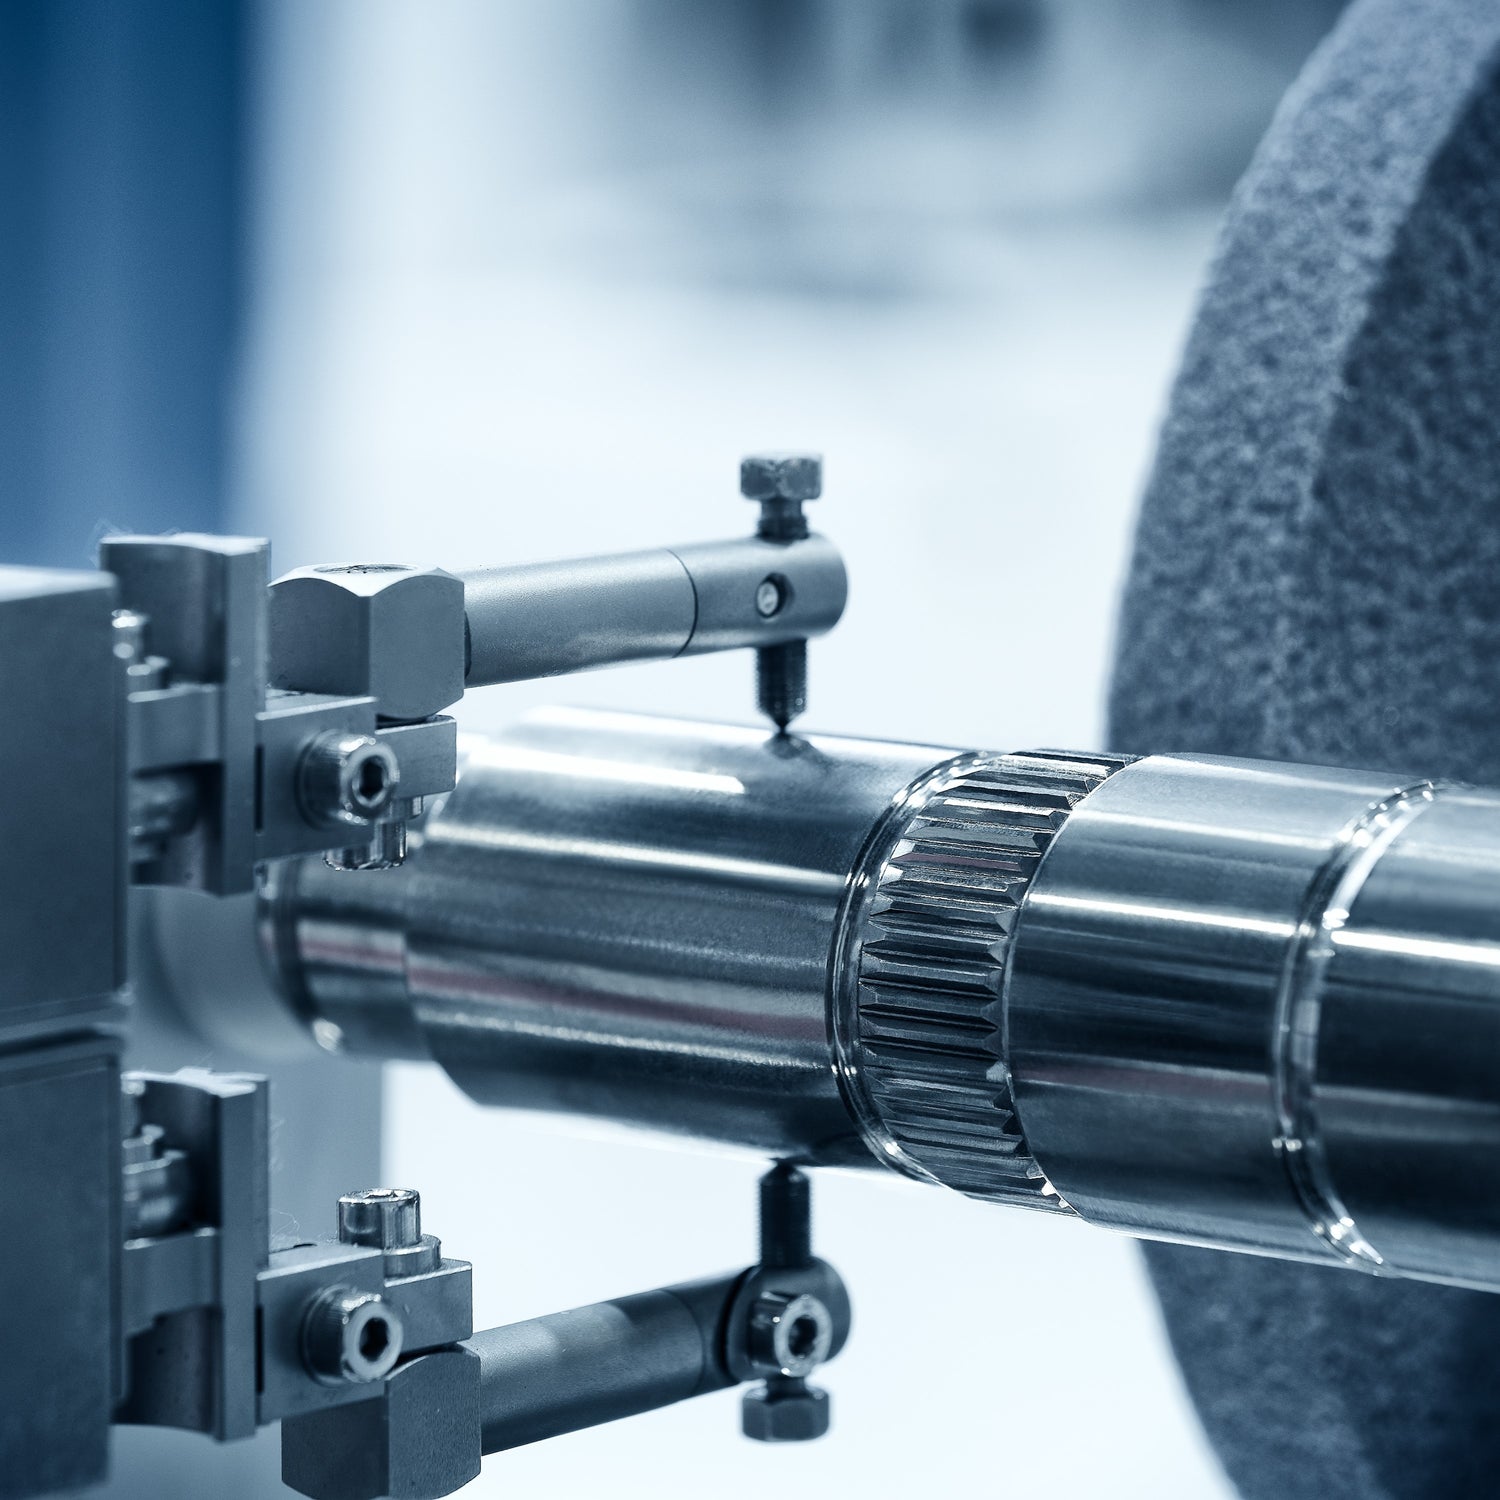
pixel 789 1335
pixel 390 1219
pixel 784 1411
pixel 346 779
pixel 781 482
pixel 350 1336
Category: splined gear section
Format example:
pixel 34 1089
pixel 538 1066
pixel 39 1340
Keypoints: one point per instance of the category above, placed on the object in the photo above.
pixel 919 976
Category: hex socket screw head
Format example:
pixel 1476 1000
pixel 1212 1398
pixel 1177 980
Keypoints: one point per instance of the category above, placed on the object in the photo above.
pixel 789 1336
pixel 351 1336
pixel 346 779
pixel 386 1218
pixel 390 1219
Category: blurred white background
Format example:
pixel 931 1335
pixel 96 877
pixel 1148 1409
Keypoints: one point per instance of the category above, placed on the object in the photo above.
pixel 533 277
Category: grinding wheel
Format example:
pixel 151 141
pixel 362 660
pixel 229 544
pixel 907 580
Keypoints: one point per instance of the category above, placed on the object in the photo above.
pixel 1317 577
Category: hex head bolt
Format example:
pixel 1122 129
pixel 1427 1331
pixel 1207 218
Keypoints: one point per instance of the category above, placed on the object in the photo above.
pixel 781 482
pixel 789 1335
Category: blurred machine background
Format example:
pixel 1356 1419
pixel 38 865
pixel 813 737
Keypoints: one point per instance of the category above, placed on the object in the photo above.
pixel 503 281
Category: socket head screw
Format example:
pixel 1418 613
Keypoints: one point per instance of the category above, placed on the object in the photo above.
pixel 789 1335
pixel 346 779
pixel 390 1219
pixel 351 1337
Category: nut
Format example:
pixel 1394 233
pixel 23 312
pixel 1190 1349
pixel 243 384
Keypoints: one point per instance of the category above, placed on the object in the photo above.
pixel 380 630
pixel 781 476
pixel 797 1413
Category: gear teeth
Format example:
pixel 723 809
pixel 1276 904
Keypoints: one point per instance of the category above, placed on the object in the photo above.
pixel 929 968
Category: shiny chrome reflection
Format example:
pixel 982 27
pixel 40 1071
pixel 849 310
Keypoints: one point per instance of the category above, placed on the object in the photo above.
pixel 1258 1007
pixel 1223 1002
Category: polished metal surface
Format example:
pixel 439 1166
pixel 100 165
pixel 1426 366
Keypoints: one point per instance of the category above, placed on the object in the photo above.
pixel 920 970
pixel 1257 1006
pixel 1394 1046
pixel 614 916
pixel 1225 1002
pixel 1144 988
pixel 390 1219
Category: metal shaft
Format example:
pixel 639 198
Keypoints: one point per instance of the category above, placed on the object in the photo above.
pixel 596 1364
pixel 615 916
pixel 1231 1003
pixel 1259 1006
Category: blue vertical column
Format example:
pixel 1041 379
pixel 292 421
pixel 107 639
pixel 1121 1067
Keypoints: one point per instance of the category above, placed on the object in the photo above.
pixel 123 189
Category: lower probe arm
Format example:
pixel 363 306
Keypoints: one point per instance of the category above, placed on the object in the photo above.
pixel 596 1364
pixel 418 1428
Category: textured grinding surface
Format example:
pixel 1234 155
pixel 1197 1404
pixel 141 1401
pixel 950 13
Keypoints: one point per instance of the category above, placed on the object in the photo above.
pixel 1317 577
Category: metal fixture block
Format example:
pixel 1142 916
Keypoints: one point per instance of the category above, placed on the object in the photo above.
pixel 384 630
pixel 416 1440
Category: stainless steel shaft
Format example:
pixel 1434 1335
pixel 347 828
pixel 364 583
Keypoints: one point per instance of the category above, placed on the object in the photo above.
pixel 1232 1003
pixel 614 916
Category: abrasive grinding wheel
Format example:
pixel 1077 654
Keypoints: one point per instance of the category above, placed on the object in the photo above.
pixel 1317 578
